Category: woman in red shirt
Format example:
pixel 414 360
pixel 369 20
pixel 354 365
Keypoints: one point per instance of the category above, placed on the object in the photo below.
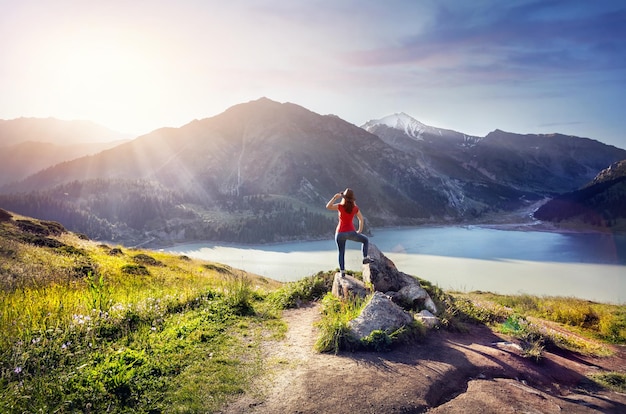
pixel 347 209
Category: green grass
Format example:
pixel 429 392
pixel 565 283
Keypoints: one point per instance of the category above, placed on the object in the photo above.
pixel 333 326
pixel 547 322
pixel 615 381
pixel 81 333
pixel 305 290
pixel 599 320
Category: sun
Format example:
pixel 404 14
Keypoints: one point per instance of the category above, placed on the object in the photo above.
pixel 115 77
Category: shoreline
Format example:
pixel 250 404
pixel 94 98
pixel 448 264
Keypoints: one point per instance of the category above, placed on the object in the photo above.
pixel 460 257
pixel 514 226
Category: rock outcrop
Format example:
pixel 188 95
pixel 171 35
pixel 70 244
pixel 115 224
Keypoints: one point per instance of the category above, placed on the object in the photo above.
pixel 404 289
pixel 380 314
pixel 344 287
pixel 396 296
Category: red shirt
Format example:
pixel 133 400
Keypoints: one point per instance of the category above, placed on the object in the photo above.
pixel 346 220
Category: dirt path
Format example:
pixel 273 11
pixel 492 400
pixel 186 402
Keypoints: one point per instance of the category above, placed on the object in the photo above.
pixel 447 372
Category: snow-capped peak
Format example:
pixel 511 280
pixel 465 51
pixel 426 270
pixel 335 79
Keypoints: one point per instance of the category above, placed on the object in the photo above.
pixel 403 122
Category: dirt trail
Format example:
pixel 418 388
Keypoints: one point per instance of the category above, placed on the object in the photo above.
pixel 477 371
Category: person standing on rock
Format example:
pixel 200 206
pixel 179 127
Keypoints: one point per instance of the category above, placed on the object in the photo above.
pixel 347 209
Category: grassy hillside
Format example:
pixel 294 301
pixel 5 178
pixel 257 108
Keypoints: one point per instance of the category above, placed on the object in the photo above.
pixel 95 328
pixel 88 327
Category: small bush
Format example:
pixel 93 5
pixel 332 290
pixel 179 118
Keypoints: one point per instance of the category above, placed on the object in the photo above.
pixel 135 269
pixel 333 326
pixel 479 312
pixel 531 340
pixel 85 269
pixel 239 294
pixel 293 294
pixel 147 260
pixel 217 267
pixel 54 228
pixel 99 293
pixel 71 251
pixel 5 215
pixel 615 381
pixel 8 249
pixel 377 340
pixel 29 226
pixel 613 327
pixel 46 242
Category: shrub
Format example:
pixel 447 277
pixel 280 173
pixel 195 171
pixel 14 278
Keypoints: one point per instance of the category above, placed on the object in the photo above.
pixel 217 267
pixel 135 269
pixel 239 294
pixel 99 293
pixel 147 260
pixel 41 241
pixel 85 269
pixel 479 312
pixel 615 381
pixel 378 340
pixel 613 327
pixel 29 226
pixel 54 228
pixel 381 341
pixel 71 250
pixel 5 215
pixel 532 341
pixel 293 294
pixel 333 326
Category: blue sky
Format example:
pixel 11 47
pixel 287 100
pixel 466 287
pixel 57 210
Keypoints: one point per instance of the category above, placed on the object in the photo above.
pixel 472 66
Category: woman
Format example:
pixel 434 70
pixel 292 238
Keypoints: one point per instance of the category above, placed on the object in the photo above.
pixel 347 209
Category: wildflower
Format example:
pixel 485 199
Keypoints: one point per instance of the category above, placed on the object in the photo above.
pixel 17 370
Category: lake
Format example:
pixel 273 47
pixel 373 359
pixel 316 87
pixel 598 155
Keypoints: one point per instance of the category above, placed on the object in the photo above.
pixel 584 265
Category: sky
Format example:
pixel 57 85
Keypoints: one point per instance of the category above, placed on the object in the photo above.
pixel 522 66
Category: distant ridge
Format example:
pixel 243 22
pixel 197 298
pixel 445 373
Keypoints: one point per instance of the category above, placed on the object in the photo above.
pixel 601 203
pixel 55 131
pixel 263 170
pixel 29 145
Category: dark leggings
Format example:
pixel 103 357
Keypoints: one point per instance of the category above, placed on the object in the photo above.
pixel 341 238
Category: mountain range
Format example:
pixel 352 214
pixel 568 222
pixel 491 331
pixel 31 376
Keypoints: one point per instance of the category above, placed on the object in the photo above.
pixel 263 171
pixel 28 145
pixel 601 203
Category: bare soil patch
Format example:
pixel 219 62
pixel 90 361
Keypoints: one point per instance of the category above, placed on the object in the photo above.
pixel 477 371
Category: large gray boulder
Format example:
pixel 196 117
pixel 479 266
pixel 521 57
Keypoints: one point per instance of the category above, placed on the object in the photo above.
pixel 379 314
pixel 381 272
pixel 404 289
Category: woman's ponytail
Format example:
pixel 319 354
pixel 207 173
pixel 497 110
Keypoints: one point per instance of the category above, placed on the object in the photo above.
pixel 348 196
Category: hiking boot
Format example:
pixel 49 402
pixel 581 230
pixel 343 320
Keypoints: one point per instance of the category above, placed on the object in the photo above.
pixel 367 260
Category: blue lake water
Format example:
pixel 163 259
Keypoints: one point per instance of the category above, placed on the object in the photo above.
pixel 585 265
